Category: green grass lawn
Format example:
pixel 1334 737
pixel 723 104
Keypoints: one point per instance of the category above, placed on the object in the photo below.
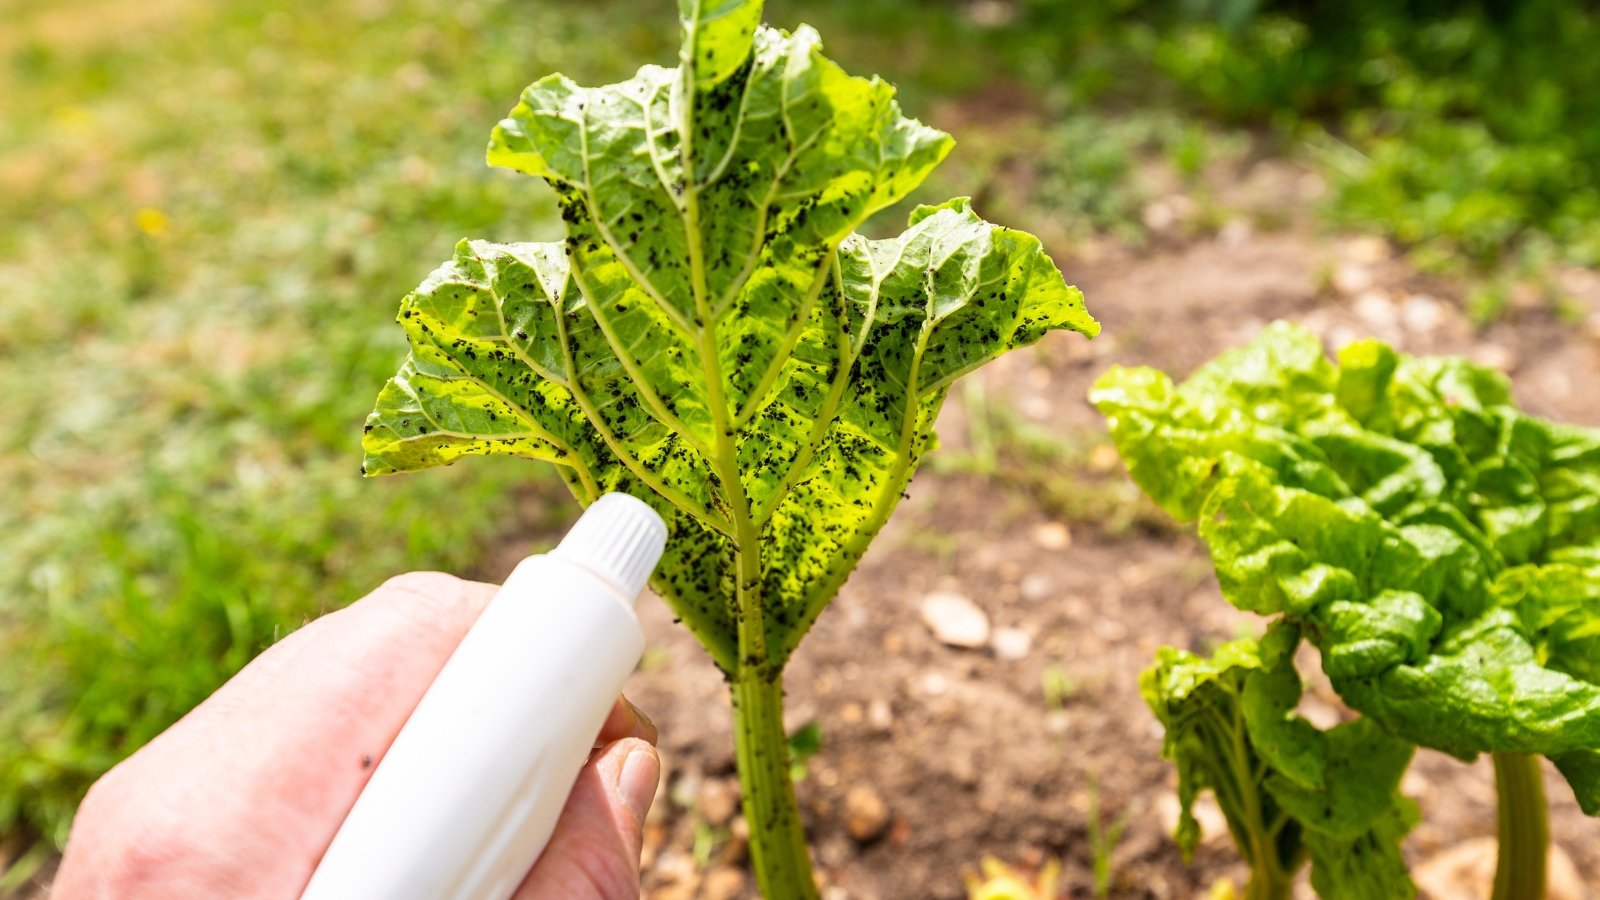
pixel 208 214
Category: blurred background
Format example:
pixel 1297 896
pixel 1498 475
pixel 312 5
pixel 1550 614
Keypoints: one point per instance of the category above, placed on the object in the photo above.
pixel 209 211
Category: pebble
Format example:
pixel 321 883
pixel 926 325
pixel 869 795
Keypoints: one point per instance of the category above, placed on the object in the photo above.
pixel 1376 311
pixel 1365 249
pixel 686 789
pixel 1350 279
pixel 1011 644
pixel 955 620
pixel 718 800
pixel 1159 217
pixel 866 816
pixel 1052 535
pixel 677 873
pixel 1235 234
pixel 880 715
pixel 933 684
pixel 1555 384
pixel 1037 587
pixel 1342 336
pixel 1104 459
pixel 722 883
pixel 1495 356
pixel 1421 313
pixel 737 848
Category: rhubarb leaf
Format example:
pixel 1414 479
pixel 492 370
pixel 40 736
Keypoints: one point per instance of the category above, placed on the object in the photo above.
pixel 1289 791
pixel 712 335
pixel 1438 546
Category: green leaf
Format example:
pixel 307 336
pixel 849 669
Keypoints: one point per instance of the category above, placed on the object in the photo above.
pixel 711 335
pixel 1288 791
pixel 1581 768
pixel 1376 505
pixel 1369 866
pixel 716 37
pixel 1197 701
pixel 1559 606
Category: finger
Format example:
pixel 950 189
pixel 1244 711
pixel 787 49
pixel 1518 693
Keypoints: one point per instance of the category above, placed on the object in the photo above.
pixel 243 795
pixel 594 852
pixel 626 720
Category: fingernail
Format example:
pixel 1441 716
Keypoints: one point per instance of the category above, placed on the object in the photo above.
pixel 646 727
pixel 637 782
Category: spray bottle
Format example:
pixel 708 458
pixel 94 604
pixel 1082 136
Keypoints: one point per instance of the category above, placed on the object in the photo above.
pixel 466 798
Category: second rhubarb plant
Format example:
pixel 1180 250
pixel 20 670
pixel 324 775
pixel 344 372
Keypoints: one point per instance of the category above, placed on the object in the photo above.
pixel 1437 546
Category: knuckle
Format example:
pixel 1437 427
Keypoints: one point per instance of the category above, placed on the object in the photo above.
pixel 125 848
pixel 427 585
pixel 431 597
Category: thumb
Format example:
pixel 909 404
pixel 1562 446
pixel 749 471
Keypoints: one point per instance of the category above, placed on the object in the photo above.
pixel 594 852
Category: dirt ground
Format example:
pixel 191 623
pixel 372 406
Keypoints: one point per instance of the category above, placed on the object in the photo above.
pixel 963 746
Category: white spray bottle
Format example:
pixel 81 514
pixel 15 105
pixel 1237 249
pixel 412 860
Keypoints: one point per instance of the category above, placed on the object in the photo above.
pixel 466 798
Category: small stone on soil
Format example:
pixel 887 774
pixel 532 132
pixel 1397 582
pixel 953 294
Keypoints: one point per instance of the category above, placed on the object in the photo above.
pixel 1011 644
pixel 866 816
pixel 686 789
pixel 1351 279
pixel 1052 536
pixel 1236 233
pixel 955 620
pixel 879 715
pixel 1037 587
pixel 1376 312
pixel 1495 356
pixel 1365 249
pixel 722 883
pixel 1104 458
pixel 718 800
pixel 933 684
pixel 1421 314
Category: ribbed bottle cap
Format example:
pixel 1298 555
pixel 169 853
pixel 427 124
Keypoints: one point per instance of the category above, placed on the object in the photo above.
pixel 619 538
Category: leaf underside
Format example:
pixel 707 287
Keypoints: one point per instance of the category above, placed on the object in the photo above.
pixel 1286 789
pixel 712 336
pixel 1439 547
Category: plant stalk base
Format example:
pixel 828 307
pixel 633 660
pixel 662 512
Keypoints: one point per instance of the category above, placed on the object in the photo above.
pixel 778 852
pixel 1524 828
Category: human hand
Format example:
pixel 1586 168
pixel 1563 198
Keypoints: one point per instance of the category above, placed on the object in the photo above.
pixel 242 796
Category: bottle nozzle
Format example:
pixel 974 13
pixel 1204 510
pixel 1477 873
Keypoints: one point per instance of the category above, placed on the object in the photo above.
pixel 619 538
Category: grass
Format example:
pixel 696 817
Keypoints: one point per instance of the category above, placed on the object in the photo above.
pixel 209 228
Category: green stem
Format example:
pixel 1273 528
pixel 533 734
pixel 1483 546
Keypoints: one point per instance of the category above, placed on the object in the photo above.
pixel 1524 827
pixel 1268 882
pixel 777 839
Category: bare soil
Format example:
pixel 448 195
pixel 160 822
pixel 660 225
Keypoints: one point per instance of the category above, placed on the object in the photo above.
pixel 963 746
